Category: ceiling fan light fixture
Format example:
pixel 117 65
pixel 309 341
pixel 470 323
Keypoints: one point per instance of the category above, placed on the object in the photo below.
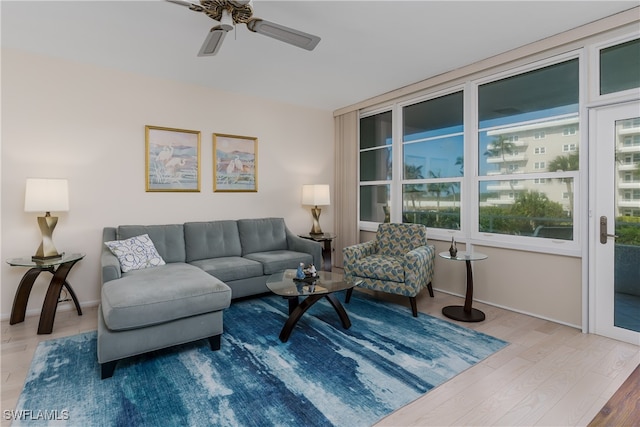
pixel 285 34
pixel 212 43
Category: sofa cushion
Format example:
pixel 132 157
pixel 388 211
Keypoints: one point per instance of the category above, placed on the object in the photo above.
pixel 276 261
pixel 168 239
pixel 262 235
pixel 230 268
pixel 135 253
pixel 378 267
pixel 161 294
pixel 212 239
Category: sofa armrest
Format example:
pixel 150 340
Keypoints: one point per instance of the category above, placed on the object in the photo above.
pixel 108 261
pixel 357 251
pixel 418 266
pixel 298 244
pixel 110 267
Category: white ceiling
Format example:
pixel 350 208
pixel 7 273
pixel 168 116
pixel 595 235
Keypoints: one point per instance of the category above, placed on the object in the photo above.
pixel 367 47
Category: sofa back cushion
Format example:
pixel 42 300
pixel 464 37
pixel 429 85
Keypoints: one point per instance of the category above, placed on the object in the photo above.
pixel 398 239
pixel 167 239
pixel 262 235
pixel 212 239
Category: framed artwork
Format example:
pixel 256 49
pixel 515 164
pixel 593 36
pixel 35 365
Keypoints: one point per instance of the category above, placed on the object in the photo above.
pixel 235 160
pixel 172 159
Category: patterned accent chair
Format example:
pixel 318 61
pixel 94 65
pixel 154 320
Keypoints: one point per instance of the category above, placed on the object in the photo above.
pixel 398 261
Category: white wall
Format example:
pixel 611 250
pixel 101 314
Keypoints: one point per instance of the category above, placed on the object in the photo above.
pixel 69 120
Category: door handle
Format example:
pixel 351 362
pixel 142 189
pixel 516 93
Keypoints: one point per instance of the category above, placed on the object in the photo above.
pixel 603 231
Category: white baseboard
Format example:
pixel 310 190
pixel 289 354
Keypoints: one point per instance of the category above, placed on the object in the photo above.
pixel 504 307
pixel 62 306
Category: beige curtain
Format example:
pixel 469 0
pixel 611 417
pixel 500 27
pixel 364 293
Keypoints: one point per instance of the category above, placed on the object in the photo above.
pixel 346 179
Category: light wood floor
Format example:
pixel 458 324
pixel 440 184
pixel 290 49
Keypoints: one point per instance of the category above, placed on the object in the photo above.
pixel 550 374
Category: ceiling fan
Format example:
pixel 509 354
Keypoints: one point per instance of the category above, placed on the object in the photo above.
pixel 231 12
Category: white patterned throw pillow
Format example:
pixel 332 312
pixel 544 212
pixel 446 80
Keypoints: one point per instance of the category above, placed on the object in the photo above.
pixel 135 253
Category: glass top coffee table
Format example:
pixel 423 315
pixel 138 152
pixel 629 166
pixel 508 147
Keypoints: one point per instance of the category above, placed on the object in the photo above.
pixel 325 284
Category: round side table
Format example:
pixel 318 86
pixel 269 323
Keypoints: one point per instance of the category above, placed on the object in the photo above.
pixel 465 313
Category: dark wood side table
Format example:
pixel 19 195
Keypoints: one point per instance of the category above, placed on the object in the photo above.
pixel 465 313
pixel 325 239
pixel 60 268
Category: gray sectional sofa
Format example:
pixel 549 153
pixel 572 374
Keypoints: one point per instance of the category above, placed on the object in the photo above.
pixel 206 265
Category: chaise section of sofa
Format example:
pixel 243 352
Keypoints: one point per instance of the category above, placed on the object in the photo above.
pixel 152 308
pixel 206 264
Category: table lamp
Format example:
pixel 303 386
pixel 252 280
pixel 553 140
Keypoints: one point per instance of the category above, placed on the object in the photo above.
pixel 46 195
pixel 315 195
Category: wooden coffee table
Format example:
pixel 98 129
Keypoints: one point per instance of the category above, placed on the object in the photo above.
pixel 324 286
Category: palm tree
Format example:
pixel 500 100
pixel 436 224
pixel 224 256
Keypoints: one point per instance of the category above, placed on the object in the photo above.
pixel 499 147
pixel 412 172
pixel 460 162
pixel 570 162
pixel 438 188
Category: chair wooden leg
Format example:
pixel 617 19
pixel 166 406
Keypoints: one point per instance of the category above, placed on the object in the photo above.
pixel 414 306
pixel 430 288
pixel 347 298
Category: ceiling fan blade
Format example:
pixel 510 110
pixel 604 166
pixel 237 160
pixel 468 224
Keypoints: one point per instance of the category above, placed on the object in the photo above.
pixel 212 43
pixel 192 6
pixel 214 39
pixel 285 34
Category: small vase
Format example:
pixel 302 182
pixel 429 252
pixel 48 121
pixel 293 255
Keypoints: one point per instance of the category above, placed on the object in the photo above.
pixel 453 250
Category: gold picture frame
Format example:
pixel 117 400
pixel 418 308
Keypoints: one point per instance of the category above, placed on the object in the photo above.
pixel 172 159
pixel 235 163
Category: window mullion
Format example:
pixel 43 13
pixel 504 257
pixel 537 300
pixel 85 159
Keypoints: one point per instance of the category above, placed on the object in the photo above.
pixel 396 176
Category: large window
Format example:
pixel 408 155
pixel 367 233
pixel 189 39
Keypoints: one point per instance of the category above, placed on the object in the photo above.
pixel 495 160
pixel 433 153
pixel 512 114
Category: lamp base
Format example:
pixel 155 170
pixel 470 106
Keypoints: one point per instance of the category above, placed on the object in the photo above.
pixel 315 229
pixel 47 250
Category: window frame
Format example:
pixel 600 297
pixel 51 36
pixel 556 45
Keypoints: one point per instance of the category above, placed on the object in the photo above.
pixel 594 68
pixel 370 225
pixel 536 244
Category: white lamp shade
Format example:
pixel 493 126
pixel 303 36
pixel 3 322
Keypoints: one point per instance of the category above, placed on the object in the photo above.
pixel 46 195
pixel 316 195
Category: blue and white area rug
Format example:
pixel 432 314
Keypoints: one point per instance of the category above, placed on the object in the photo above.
pixel 324 375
